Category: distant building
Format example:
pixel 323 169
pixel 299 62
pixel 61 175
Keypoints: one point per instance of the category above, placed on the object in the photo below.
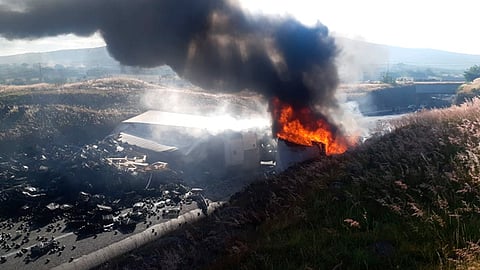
pixel 404 80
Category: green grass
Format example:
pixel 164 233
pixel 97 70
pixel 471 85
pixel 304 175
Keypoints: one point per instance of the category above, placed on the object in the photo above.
pixel 406 200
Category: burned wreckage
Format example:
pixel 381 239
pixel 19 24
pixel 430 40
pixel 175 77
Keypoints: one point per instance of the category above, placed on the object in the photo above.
pixel 192 142
pixel 197 144
pixel 139 176
pixel 141 158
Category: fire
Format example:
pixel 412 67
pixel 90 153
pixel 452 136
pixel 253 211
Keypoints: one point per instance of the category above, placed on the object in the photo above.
pixel 302 127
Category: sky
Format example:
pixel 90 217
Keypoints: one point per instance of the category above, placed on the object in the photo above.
pixel 441 24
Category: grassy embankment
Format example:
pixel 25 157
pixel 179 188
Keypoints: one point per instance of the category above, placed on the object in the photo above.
pixel 407 200
pixel 468 90
pixel 75 113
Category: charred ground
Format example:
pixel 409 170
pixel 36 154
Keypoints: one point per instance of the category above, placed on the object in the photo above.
pixel 77 113
pixel 53 126
pixel 55 168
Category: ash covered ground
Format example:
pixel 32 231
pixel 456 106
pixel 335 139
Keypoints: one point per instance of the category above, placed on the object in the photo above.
pixel 60 172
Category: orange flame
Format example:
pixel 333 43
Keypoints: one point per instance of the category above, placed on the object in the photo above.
pixel 301 127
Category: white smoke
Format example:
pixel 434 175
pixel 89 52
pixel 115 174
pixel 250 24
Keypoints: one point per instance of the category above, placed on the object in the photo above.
pixel 204 113
pixel 358 59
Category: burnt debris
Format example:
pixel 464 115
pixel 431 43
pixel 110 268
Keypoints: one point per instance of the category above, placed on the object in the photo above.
pixel 102 187
pixel 34 202
pixel 83 186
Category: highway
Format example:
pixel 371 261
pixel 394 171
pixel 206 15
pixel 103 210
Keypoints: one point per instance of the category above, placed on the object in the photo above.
pixel 72 247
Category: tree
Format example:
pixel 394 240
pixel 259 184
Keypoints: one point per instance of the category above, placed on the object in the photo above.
pixel 472 73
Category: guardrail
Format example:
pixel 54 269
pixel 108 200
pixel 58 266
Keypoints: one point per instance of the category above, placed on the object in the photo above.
pixel 130 243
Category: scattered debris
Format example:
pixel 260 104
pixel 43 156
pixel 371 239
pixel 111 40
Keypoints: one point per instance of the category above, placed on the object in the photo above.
pixel 43 247
pixel 89 190
pixel 128 164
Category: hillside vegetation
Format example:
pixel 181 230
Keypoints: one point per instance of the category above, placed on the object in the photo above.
pixel 76 113
pixel 468 90
pixel 407 200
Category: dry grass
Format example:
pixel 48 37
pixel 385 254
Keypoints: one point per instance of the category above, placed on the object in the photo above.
pixel 469 87
pixel 363 87
pixel 407 200
pixel 71 113
pixel 360 89
pixel 114 83
pixel 468 91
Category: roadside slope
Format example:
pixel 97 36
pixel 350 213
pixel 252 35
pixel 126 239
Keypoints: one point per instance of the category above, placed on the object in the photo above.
pixel 409 200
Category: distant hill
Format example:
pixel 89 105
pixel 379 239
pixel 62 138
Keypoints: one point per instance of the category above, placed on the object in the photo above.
pixel 358 61
pixel 76 65
pixel 91 57
pixel 433 58
pixel 381 54
pixel 390 55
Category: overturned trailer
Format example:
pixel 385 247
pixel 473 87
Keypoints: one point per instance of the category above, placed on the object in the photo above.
pixel 212 145
pixel 184 141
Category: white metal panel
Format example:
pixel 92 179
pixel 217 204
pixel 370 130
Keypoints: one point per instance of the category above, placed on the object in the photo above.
pixel 234 152
pixel 289 154
pixel 145 143
pixel 249 140
pixel 214 124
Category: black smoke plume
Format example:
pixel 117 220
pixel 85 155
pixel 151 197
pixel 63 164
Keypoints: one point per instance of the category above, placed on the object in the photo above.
pixel 213 43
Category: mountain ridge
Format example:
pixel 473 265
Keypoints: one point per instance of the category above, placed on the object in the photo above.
pixel 423 57
pixel 383 56
pixel 70 57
